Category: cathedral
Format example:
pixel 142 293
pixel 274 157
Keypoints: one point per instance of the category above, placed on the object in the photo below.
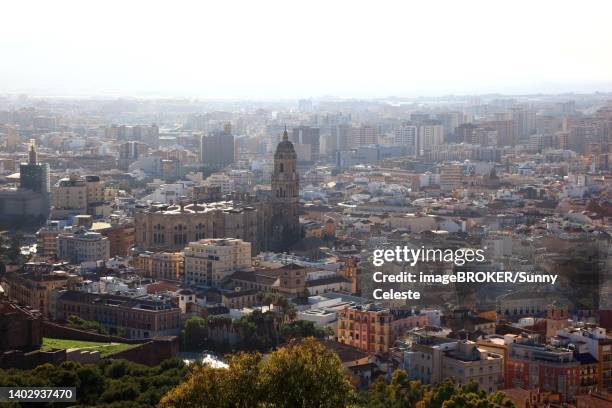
pixel 269 221
pixel 285 221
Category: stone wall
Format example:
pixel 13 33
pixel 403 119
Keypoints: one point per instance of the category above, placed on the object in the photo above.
pixel 151 353
pixel 82 356
pixel 26 361
pixel 58 331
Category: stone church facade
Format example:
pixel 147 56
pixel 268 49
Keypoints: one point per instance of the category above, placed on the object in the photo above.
pixel 269 221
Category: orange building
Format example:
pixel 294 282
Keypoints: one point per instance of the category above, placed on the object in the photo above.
pixel 375 329
pixel 120 237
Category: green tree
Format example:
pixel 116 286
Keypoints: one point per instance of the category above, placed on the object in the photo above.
pixel 91 381
pixel 89 325
pixel 194 335
pixel 400 392
pixel 108 382
pixel 204 388
pixel 243 378
pixel 305 374
pixel 302 328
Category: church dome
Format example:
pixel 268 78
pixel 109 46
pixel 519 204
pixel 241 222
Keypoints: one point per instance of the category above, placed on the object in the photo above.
pixel 285 147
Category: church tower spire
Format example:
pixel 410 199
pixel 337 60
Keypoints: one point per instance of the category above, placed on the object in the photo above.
pixel 285 226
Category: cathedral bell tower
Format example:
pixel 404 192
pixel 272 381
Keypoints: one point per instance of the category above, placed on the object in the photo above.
pixel 285 195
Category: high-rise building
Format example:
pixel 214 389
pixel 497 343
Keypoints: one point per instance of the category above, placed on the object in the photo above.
pixel 548 125
pixel 485 137
pixel 217 150
pixel 308 136
pixel 464 133
pixel 339 138
pixel 34 175
pixel 537 142
pixel 211 261
pixel 407 135
pixel 504 129
pixel 566 108
pixel 429 135
pixel 524 121
pixel 364 135
pixel 131 151
pixel 505 133
pixel 583 131
pixel 450 121
pixel 148 134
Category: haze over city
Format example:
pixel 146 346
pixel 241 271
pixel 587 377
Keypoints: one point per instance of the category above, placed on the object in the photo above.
pixel 290 49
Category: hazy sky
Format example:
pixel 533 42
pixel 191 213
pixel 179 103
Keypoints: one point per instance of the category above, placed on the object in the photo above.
pixel 270 49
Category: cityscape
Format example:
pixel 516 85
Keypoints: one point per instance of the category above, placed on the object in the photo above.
pixel 293 250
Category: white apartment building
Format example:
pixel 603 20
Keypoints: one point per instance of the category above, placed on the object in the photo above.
pixel 83 246
pixel 210 261
pixel 406 135
pixel 429 136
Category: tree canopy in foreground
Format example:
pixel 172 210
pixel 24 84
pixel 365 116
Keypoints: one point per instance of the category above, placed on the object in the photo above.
pixel 306 374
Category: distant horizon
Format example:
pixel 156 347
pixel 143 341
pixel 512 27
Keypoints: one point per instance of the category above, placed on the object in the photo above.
pixel 601 90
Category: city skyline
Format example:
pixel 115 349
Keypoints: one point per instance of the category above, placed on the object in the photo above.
pixel 306 204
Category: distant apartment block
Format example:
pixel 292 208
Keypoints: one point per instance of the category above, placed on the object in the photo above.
pixel 217 150
pixel 308 137
pixel 364 135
